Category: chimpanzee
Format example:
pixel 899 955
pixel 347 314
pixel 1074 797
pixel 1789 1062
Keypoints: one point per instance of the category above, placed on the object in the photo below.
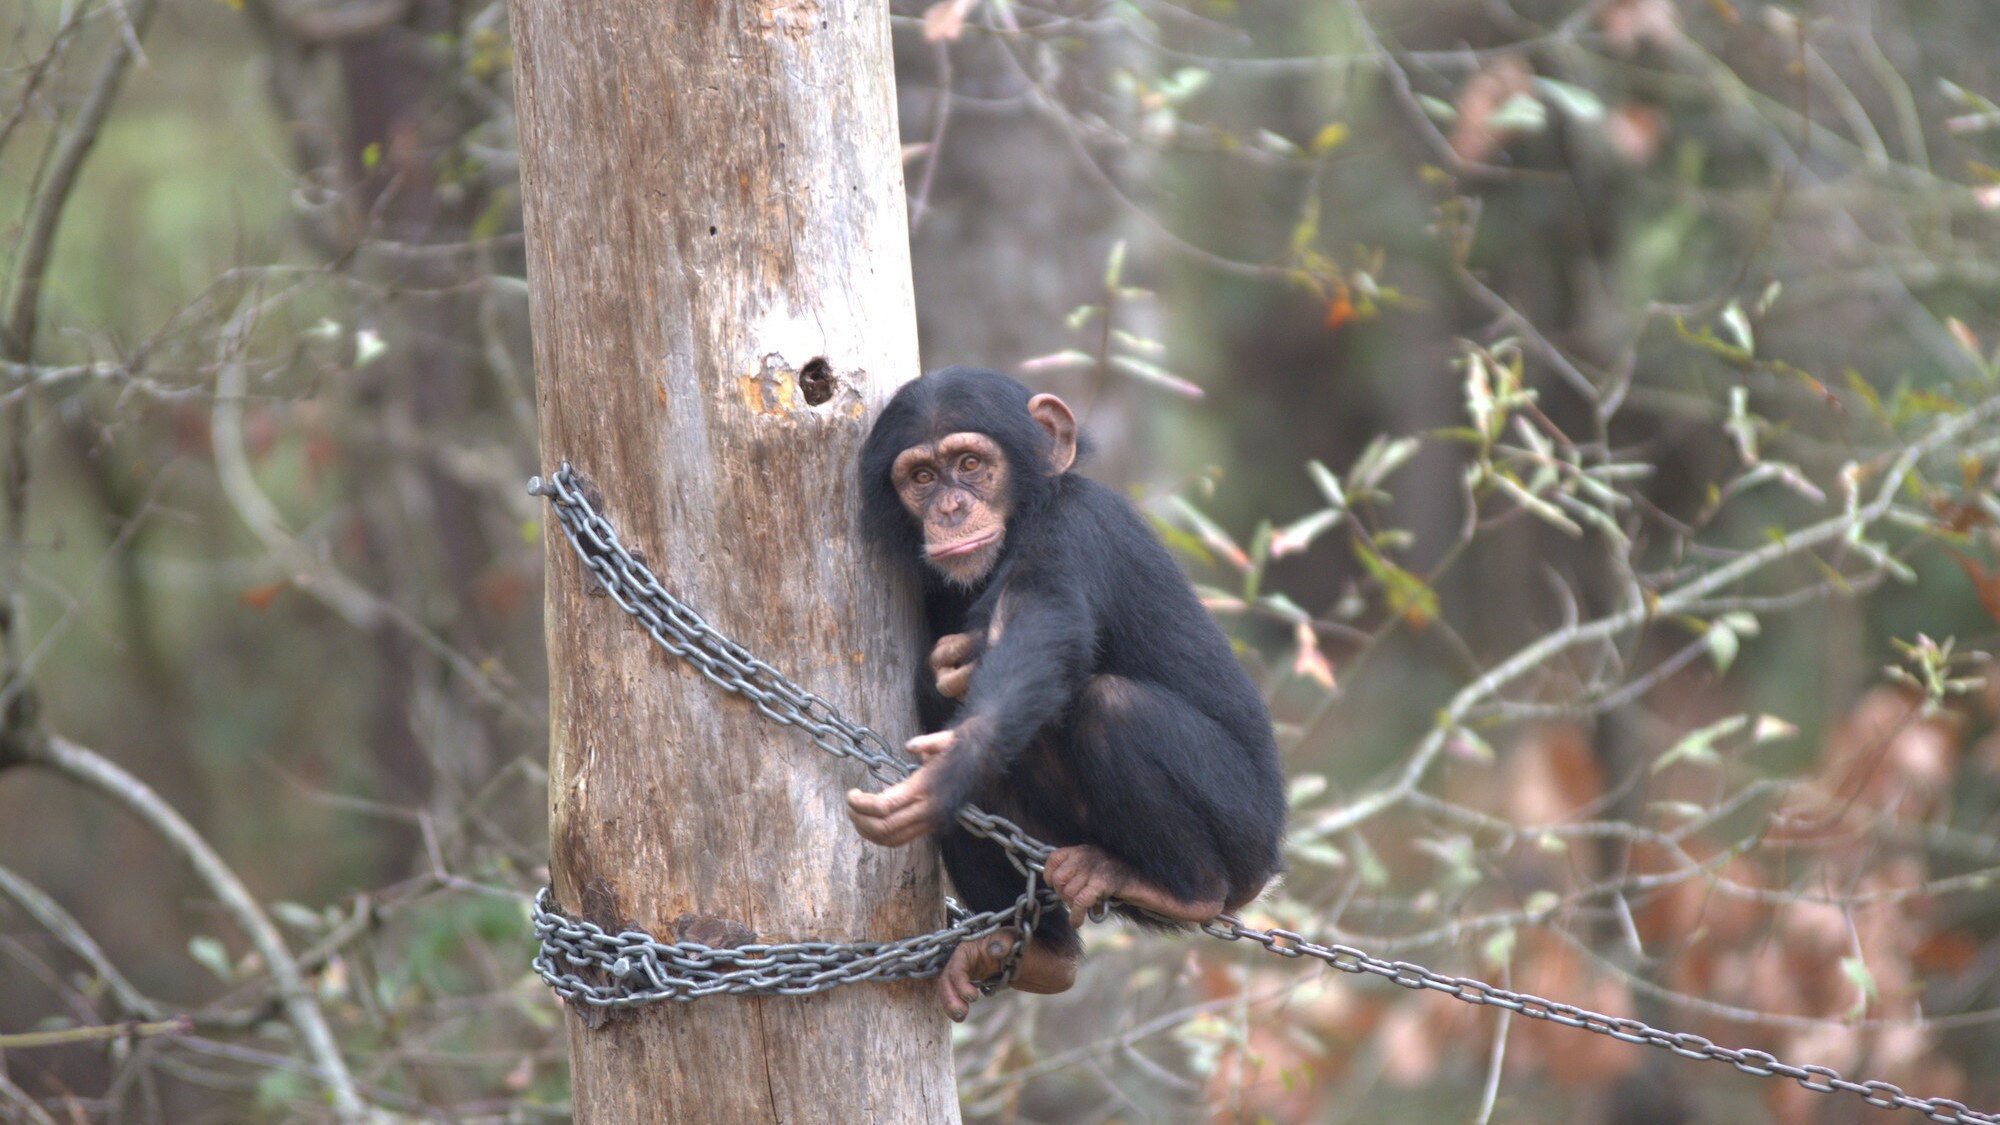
pixel 1074 685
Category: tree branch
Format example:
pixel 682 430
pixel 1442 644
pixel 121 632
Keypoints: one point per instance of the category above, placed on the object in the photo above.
pixel 17 341
pixel 1692 592
pixel 94 771
pixel 77 940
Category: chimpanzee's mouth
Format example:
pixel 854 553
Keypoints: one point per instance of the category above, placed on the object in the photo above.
pixel 964 546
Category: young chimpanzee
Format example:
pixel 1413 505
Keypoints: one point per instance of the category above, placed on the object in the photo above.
pixel 1075 684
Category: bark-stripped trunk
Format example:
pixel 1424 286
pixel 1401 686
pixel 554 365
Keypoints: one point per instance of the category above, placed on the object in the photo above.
pixel 713 199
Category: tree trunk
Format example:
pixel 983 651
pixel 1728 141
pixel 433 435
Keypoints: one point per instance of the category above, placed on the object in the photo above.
pixel 713 200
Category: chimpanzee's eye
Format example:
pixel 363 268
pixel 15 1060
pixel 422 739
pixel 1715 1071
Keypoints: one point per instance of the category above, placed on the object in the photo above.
pixel 969 463
pixel 923 476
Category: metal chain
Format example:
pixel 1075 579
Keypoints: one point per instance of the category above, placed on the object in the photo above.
pixel 589 965
pixel 585 963
pixel 1818 1079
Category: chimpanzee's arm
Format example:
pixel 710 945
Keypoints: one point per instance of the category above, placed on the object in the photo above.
pixel 1024 682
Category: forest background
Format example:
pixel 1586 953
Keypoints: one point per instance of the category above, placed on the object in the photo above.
pixel 1584 415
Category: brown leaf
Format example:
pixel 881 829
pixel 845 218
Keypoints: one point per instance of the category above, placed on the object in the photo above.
pixel 503 592
pixel 1629 24
pixel 1482 95
pixel 261 597
pixel 1985 583
pixel 944 21
pixel 1311 663
pixel 1635 131
pixel 1410 1047
pixel 1949 953
pixel 1551 774
pixel 1340 310
pixel 1963 334
pixel 517 1079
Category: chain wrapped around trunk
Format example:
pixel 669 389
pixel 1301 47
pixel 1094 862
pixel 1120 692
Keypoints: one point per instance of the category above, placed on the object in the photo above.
pixel 595 968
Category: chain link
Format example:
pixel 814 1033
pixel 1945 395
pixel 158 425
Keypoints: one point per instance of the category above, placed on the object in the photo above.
pixel 586 964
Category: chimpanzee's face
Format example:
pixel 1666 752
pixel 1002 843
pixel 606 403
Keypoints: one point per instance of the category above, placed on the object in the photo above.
pixel 956 490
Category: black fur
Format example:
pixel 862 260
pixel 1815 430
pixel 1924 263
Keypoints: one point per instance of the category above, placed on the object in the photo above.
pixel 1111 711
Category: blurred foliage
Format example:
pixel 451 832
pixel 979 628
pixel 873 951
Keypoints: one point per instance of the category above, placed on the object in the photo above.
pixel 1582 414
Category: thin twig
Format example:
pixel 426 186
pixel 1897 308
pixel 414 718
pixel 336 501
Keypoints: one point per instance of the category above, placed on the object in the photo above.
pixel 31 1110
pixel 96 772
pixel 1489 1094
pixel 67 930
pixel 38 237
pixel 96 1033
pixel 1674 601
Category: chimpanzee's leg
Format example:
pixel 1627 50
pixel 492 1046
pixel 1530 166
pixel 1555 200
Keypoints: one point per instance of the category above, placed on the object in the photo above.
pixel 984 880
pixel 1178 815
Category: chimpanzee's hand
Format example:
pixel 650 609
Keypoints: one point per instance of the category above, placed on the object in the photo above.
pixel 952 660
pixel 910 808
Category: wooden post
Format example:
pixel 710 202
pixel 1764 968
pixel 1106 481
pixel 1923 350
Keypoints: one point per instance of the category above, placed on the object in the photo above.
pixel 714 212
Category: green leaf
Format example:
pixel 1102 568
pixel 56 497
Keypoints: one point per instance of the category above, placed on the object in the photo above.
pixel 1542 903
pixel 1722 646
pixel 1296 537
pixel 1212 599
pixel 1183 84
pixel 368 347
pixel 1307 228
pixel 1499 949
pixel 1522 113
pixel 1741 425
pixel 1575 101
pixel 1539 508
pixel 1768 299
pixel 1330 136
pixel 1468 743
pixel 1082 315
pixel 1275 142
pixel 1304 788
pixel 1319 855
pixel 1378 459
pixel 1068 359
pixel 1260 556
pixel 1407 594
pixel 1367 864
pixel 1863 981
pixel 211 955
pixel 1479 398
pixel 1739 328
pixel 1285 607
pixel 1138 344
pixel 1114 264
pixel 1742 621
pixel 1156 375
pixel 1455 855
pixel 1328 484
pixel 1770 728
pixel 298 916
pixel 1706 339
pixel 1699 746
pixel 1211 533
pixel 1438 108
pixel 281 1089
pixel 1866 393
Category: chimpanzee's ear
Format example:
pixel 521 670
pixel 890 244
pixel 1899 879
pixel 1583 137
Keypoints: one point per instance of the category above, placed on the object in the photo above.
pixel 1053 415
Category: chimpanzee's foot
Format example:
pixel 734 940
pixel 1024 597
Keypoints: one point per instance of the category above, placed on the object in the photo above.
pixel 1086 876
pixel 1042 970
